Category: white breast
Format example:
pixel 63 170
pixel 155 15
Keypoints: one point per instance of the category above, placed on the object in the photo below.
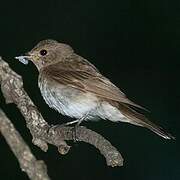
pixel 66 100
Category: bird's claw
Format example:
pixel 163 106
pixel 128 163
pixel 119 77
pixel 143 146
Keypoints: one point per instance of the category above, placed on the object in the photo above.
pixel 75 132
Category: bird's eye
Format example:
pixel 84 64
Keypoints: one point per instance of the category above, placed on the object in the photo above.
pixel 43 52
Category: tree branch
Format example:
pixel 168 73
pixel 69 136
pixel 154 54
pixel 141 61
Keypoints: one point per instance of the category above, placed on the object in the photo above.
pixel 36 170
pixel 42 133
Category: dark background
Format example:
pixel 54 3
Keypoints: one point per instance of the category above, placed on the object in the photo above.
pixel 134 43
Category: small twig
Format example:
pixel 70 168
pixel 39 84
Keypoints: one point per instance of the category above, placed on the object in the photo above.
pixel 42 133
pixel 35 169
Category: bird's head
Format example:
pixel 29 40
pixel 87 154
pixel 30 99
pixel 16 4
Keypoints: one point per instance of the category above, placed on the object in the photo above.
pixel 46 52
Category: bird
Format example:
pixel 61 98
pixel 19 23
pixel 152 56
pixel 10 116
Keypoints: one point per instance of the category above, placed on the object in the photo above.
pixel 74 87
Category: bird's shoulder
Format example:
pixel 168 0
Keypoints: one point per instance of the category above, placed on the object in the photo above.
pixel 70 71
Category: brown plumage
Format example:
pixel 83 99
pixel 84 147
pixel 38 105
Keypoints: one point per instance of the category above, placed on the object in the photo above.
pixel 74 87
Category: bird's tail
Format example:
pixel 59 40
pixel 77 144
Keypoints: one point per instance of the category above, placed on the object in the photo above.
pixel 140 120
pixel 160 131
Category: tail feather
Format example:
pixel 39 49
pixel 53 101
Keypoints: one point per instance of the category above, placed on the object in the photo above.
pixel 159 131
pixel 140 120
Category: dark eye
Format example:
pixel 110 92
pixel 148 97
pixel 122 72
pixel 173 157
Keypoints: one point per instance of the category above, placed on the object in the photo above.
pixel 43 52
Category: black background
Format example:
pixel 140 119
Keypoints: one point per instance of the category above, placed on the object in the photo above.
pixel 136 45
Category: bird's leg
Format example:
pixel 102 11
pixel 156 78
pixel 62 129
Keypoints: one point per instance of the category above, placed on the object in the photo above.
pixel 71 122
pixel 79 121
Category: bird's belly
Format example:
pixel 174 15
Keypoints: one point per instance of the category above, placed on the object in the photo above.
pixel 69 101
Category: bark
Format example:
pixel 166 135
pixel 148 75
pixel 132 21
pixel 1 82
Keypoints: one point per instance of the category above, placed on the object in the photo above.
pixel 35 169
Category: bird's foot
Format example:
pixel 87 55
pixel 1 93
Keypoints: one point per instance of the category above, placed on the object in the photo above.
pixel 77 122
pixel 74 130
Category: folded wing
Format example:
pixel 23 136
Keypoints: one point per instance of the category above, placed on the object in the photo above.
pixel 85 77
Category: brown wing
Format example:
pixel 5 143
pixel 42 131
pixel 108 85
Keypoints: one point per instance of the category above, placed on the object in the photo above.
pixel 84 76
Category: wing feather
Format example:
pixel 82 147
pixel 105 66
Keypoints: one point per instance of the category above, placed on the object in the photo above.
pixel 85 77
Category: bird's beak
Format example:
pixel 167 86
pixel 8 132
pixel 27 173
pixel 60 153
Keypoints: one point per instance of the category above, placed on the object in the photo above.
pixel 24 59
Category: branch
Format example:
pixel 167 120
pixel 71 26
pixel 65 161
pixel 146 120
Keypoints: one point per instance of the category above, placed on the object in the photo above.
pixel 36 170
pixel 42 133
